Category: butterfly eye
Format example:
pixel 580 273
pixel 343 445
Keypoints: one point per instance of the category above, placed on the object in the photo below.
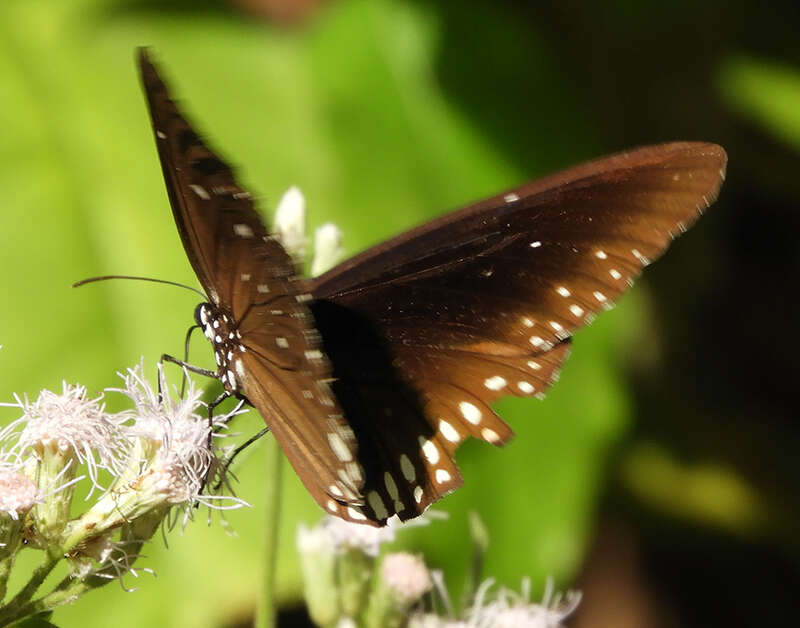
pixel 201 314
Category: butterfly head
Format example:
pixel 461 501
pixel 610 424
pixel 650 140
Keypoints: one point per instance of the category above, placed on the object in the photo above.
pixel 221 331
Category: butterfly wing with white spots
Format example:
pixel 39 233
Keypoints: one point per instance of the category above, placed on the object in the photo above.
pixel 481 303
pixel 257 320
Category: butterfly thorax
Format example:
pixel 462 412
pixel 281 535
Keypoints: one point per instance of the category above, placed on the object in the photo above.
pixel 221 331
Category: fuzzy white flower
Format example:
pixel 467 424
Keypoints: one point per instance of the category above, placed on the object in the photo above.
pixel 505 609
pixel 343 535
pixel 70 425
pixel 171 457
pixel 174 439
pixel 406 576
pixel 512 610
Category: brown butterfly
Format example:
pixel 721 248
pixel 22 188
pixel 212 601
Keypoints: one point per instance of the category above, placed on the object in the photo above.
pixel 372 374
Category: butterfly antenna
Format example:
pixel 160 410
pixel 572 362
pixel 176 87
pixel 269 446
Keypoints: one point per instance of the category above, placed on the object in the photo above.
pixel 83 282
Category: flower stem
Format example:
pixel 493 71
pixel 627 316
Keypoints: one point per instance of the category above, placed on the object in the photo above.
pixel 266 610
pixel 5 570
pixel 16 608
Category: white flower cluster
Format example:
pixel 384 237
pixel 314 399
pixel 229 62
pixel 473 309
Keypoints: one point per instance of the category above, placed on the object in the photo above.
pixel 347 581
pixel 290 227
pixel 145 463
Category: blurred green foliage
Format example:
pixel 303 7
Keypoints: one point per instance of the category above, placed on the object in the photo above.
pixel 385 113
pixel 766 91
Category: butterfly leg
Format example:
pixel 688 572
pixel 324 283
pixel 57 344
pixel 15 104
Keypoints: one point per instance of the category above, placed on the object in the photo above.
pixel 230 415
pixel 186 355
pixel 235 453
pixel 188 367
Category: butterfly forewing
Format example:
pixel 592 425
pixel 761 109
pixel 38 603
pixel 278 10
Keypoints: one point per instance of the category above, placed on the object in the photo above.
pixel 371 375
pixel 262 330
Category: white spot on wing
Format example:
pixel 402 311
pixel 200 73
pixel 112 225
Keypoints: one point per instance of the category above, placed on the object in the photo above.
pixel 357 515
pixel 642 259
pixel 334 490
pixel 599 296
pixel 377 505
pixel 391 486
pixel 262 288
pixel 537 341
pixel 489 435
pixel 536 244
pixel 563 291
pixel 245 276
pixel 599 254
pixel 534 365
pixel 418 494
pixel 200 191
pixel 239 368
pixel 525 387
pixel 242 230
pixel 577 310
pixel 339 448
pixel 355 472
pixel 448 431
pixel 442 476
pixel 511 198
pixel 429 449
pixel 470 412
pixel 615 273
pixel 409 473
pixel 495 383
pixel 282 342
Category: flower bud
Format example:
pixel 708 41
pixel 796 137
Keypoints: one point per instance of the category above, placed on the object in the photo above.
pixel 327 248
pixel 404 579
pixel 290 222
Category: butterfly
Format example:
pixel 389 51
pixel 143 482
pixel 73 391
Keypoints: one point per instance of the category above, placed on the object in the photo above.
pixel 372 374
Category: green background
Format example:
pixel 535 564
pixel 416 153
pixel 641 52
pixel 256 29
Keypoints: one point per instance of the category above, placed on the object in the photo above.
pixel 657 474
